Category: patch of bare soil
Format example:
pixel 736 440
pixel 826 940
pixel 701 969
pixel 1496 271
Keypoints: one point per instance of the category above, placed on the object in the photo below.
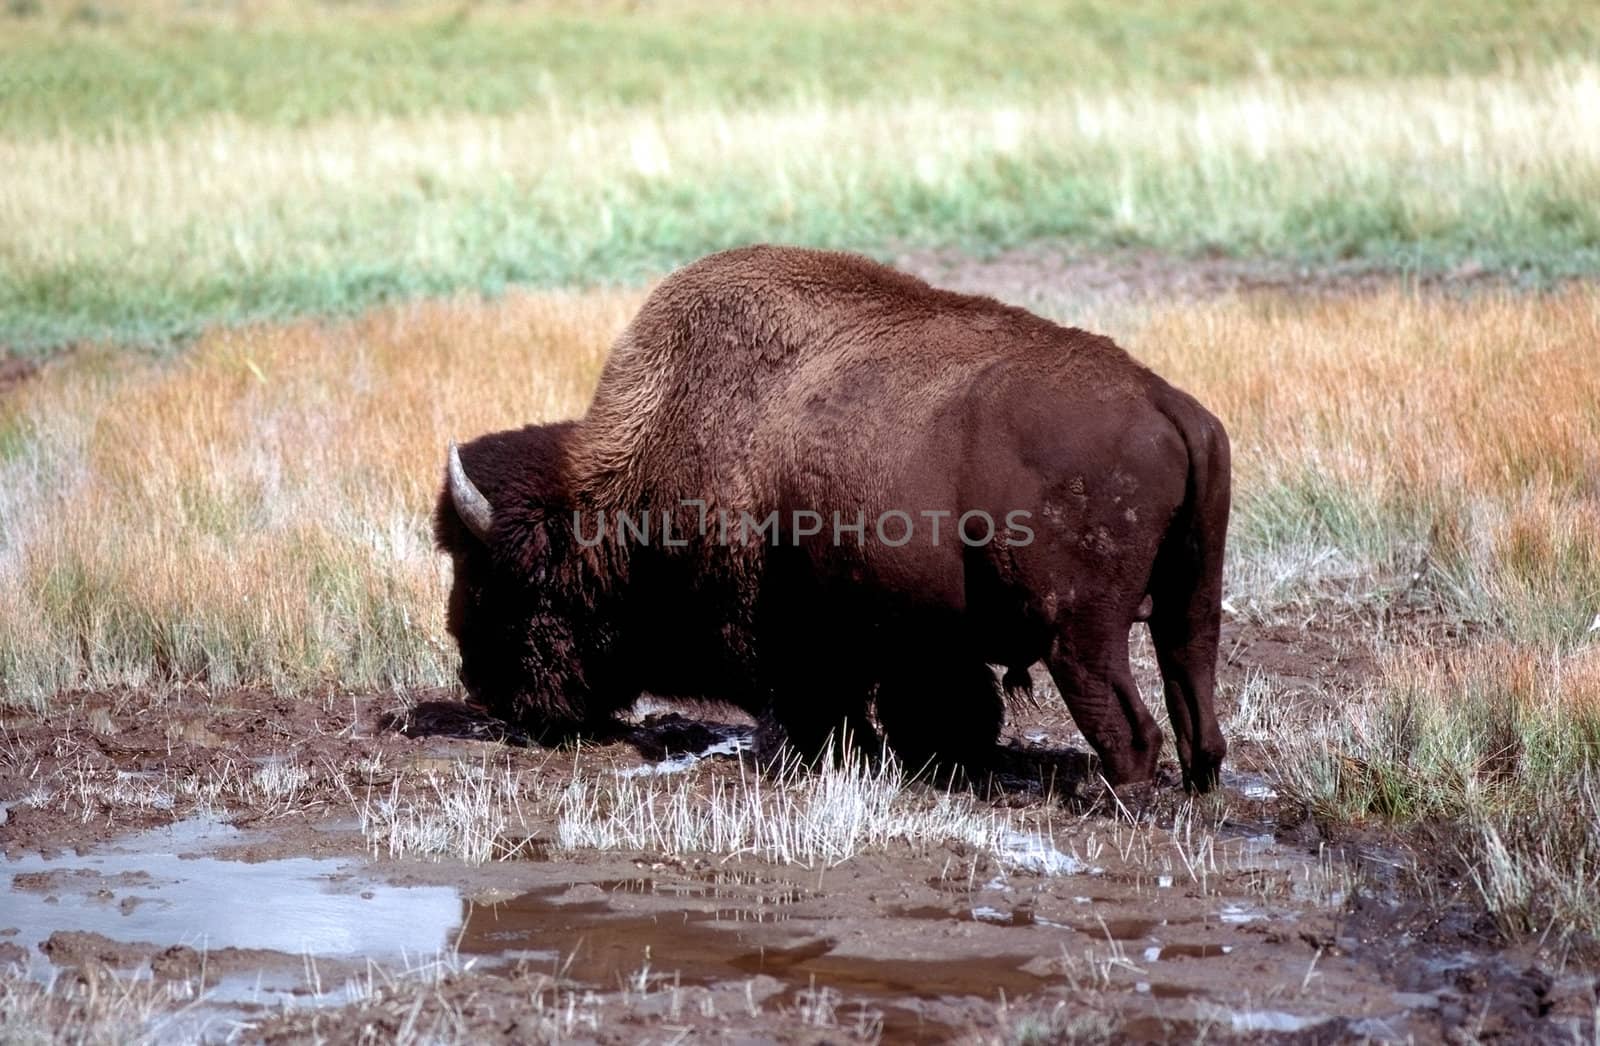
pixel 80 948
pixel 14 370
pixel 87 952
pixel 252 888
pixel 1046 274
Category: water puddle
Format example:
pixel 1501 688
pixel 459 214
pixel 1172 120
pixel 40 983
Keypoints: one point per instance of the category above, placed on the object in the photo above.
pixel 1168 952
pixel 1129 929
pixel 152 889
pixel 994 916
pixel 303 931
pixel 299 931
pixel 1236 915
pixel 1115 929
pixel 733 740
pixel 1251 786
pixel 744 887
pixel 586 941
pixel 258 933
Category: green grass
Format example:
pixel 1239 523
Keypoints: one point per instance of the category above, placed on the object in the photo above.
pixel 504 238
pixel 172 167
pixel 150 240
pixel 86 68
pixel 1494 748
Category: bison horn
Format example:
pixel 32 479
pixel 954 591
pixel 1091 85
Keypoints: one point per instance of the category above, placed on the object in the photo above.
pixel 473 508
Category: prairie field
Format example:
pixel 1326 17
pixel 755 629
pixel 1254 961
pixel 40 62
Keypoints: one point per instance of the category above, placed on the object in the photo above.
pixel 1393 446
pixel 261 262
pixel 341 173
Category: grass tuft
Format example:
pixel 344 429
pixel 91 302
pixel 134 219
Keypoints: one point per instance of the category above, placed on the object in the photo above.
pixel 1502 741
pixel 808 816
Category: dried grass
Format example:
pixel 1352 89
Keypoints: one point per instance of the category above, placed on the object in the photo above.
pixel 1500 740
pixel 809 816
pixel 256 513
pixel 1376 434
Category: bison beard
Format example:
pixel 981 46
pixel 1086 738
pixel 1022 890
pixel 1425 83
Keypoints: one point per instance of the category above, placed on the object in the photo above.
pixel 773 379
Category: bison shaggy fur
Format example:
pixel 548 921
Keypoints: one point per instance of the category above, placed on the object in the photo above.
pixel 781 380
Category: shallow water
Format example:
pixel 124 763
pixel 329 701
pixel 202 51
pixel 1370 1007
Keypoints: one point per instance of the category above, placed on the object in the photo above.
pixel 154 888
pixel 304 925
pixel 1251 786
pixel 673 925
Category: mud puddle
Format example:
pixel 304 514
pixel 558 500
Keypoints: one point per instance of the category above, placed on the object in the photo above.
pixel 241 941
pixel 239 935
pixel 590 942
pixel 160 886
pixel 1084 921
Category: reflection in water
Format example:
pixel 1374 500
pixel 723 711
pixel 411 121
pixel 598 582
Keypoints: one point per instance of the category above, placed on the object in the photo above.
pixel 640 934
pixel 143 891
pixel 590 943
pixel 148 891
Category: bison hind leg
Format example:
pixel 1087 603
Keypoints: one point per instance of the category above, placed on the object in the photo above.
pixel 940 716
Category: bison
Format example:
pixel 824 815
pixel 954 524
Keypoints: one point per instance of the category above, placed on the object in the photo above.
pixel 819 489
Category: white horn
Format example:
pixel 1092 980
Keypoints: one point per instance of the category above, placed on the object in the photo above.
pixel 473 508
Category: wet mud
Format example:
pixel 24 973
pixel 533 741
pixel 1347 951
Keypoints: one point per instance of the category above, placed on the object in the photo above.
pixel 747 950
pixel 175 843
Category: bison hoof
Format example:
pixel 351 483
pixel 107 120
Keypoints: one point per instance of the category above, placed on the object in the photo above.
pixel 1128 768
pixel 1202 777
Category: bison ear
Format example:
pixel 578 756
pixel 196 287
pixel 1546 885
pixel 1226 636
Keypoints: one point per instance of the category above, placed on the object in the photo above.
pixel 471 506
pixel 539 547
pixel 525 546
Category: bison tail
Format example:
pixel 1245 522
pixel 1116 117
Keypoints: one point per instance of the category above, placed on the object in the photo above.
pixel 1186 592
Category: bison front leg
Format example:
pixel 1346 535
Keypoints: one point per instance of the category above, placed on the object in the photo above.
pixel 1089 663
pixel 817 705
pixel 809 725
pixel 939 716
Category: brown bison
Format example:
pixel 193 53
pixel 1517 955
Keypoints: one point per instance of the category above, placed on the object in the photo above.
pixel 809 486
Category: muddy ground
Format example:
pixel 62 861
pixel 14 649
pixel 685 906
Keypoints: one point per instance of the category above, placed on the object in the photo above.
pixel 156 842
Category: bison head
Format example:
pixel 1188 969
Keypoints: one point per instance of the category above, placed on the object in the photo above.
pixel 522 609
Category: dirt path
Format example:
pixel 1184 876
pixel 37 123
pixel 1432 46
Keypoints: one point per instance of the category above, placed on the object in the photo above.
pixel 1054 278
